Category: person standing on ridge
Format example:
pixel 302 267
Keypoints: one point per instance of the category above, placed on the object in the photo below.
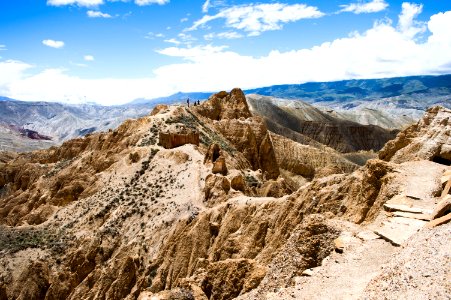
pixel 187 102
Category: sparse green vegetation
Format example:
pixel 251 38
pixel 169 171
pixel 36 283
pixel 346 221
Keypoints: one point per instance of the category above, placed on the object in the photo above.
pixel 15 239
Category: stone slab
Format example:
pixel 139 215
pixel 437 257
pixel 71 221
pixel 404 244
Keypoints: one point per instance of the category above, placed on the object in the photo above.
pixel 368 235
pixel 424 217
pixel 402 207
pixel 398 229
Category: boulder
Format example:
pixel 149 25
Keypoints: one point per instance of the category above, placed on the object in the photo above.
pixel 238 183
pixel 219 166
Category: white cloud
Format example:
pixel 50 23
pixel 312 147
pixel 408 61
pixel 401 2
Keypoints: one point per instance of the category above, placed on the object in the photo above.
pixel 97 14
pixel 381 51
pixel 407 23
pixel 86 3
pixel 223 35
pixel 53 43
pixel 365 7
pixel 257 18
pixel 173 41
pixel 205 6
pixel 94 3
pixel 148 2
pixel 11 71
pixel 88 58
pixel 3 48
pixel 193 53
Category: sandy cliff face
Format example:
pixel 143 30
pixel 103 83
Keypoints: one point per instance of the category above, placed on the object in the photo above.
pixel 429 139
pixel 116 216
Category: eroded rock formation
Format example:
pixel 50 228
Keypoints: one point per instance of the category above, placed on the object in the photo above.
pixel 429 139
pixel 121 217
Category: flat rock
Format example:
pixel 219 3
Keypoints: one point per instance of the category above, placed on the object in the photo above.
pixel 402 207
pixel 424 217
pixel 367 235
pixel 398 229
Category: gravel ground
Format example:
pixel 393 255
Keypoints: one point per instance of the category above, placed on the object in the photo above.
pixel 420 270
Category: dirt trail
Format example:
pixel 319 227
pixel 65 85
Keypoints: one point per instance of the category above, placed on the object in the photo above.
pixel 341 276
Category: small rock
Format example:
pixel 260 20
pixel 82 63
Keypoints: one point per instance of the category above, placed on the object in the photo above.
pixel 238 183
pixel 367 235
pixel 339 245
pixel 219 166
pixel 308 272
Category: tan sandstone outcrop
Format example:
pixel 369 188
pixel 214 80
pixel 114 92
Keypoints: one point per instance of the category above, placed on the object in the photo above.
pixel 247 134
pixel 429 139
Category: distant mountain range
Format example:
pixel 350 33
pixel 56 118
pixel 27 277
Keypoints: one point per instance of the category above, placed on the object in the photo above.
pixel 391 103
pixel 361 89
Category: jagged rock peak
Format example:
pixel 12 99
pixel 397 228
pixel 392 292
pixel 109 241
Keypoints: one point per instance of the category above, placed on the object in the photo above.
pixel 225 105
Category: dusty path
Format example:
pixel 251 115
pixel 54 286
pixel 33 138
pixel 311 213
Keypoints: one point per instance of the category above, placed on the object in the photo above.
pixel 342 276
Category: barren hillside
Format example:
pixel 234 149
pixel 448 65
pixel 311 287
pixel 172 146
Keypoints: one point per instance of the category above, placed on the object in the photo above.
pixel 206 203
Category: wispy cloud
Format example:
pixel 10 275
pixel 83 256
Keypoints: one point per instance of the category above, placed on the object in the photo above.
pixel 365 7
pixel 86 3
pixel 152 35
pixel 53 44
pixel 257 18
pixel 148 2
pixel 94 3
pixel 3 48
pixel 223 35
pixel 97 14
pixel 88 58
pixel 206 6
pixel 173 41
pixel 193 53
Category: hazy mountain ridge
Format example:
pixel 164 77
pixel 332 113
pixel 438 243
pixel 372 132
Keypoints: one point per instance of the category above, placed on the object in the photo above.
pixel 390 103
pixel 309 121
pixel 63 121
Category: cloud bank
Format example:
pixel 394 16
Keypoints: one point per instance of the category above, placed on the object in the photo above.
pixel 385 50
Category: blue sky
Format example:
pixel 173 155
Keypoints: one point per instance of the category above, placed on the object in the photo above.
pixel 114 51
